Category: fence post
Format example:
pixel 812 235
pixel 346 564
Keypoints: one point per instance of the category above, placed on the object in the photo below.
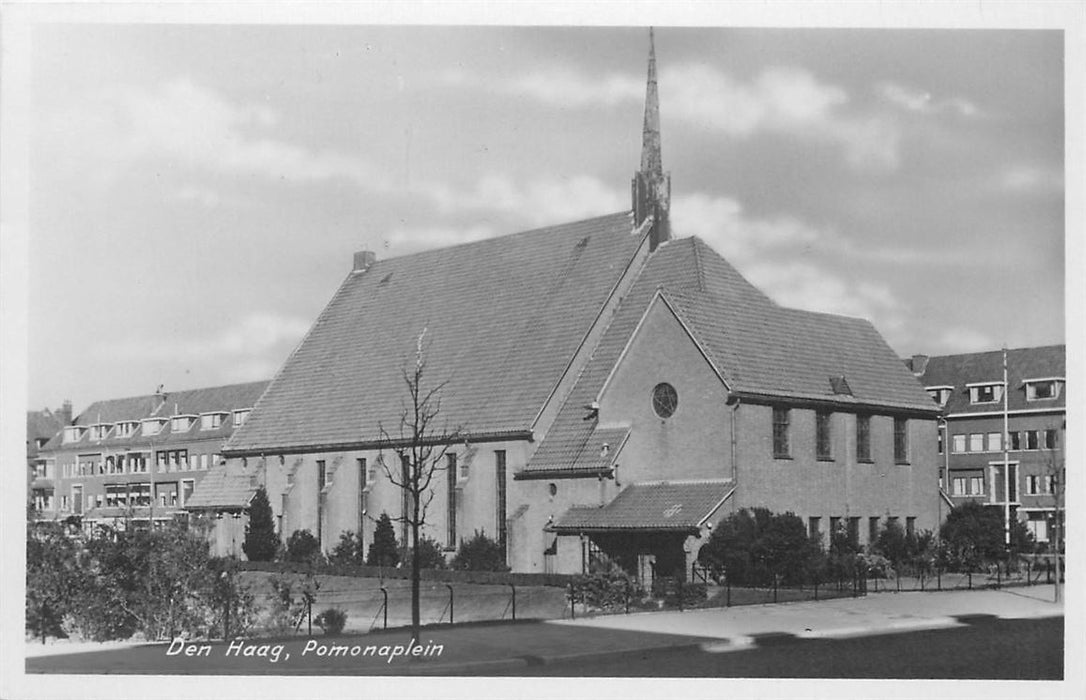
pixel 514 601
pixel 939 578
pixel 627 596
pixel 449 586
pixel 385 607
pixel 816 588
pixel 1029 573
pixel 679 581
pixel 572 603
pixel 728 596
pixel 775 583
pixel 970 575
pixel 921 579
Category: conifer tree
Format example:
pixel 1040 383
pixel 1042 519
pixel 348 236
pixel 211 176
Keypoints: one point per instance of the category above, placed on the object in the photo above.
pixel 261 542
pixel 383 550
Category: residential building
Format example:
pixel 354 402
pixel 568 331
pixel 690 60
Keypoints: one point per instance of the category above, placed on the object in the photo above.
pixel 612 389
pixel 41 426
pixel 138 459
pixel 973 440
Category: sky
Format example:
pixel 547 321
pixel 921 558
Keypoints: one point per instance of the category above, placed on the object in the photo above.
pixel 197 191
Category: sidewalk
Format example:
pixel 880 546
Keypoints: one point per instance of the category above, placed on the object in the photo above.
pixel 482 648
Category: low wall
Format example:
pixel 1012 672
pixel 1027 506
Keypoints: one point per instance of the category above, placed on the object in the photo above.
pixel 442 575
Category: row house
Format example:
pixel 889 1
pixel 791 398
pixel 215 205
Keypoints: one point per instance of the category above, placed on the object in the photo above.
pixel 986 421
pixel 41 426
pixel 613 390
pixel 139 459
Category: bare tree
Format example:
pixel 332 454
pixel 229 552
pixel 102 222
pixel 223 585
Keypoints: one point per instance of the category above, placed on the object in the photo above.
pixel 421 446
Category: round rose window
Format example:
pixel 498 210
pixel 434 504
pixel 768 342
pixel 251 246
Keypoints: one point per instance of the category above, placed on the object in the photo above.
pixel 664 400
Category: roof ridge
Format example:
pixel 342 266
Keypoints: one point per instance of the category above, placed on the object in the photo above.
pixel 526 232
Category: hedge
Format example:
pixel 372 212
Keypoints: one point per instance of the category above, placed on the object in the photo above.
pixel 442 575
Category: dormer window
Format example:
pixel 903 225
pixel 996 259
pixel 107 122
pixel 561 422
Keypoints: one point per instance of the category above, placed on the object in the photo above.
pixel 152 426
pixel 180 424
pixel 99 431
pixel 240 416
pixel 211 421
pixel 1043 389
pixel 124 429
pixel 74 433
pixel 985 392
pixel 940 394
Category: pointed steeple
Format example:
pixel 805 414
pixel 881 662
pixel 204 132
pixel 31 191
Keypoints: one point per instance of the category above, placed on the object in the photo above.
pixel 651 160
pixel 651 187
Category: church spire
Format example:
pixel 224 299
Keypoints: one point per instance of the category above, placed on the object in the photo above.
pixel 651 187
pixel 651 161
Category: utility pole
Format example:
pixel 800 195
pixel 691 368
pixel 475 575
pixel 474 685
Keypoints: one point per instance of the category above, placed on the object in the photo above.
pixel 1006 460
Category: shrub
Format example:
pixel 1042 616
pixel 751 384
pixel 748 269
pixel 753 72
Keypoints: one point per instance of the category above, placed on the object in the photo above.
pixel 480 553
pixel 331 621
pixel 303 547
pixel 383 550
pixel 431 555
pixel 607 590
pixel 53 577
pixel 348 550
pixel 755 546
pixel 261 541
pixel 972 535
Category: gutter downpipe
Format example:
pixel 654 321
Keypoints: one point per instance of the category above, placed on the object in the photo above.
pixel 734 400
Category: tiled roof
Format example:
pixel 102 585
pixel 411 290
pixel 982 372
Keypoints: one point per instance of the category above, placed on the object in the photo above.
pixel 224 486
pixel 187 402
pixel 760 348
pixel 674 505
pixel 41 424
pixel 503 318
pixel 1022 363
pixel 585 451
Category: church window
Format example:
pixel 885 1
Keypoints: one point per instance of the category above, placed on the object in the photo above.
pixel 664 400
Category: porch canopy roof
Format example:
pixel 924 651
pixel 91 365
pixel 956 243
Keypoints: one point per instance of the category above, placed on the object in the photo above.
pixel 670 506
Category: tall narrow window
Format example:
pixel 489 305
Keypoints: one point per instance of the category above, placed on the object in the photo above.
pixel 863 438
pixel 780 432
pixel 450 473
pixel 854 531
pixel 1051 439
pixel 872 531
pixel 322 476
pixel 823 435
pixel 499 480
pixel 405 498
pixel 901 440
pixel 362 495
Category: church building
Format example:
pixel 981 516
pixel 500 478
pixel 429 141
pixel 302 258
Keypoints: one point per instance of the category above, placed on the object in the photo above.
pixel 613 388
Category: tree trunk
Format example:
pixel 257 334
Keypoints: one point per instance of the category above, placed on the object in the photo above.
pixel 415 570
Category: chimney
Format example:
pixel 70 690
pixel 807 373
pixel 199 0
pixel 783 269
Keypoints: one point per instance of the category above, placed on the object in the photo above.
pixel 363 259
pixel 919 364
pixel 64 413
pixel 651 186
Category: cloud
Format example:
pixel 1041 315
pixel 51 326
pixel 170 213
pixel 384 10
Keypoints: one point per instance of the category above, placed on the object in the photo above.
pixel 920 102
pixel 1030 179
pixel 957 340
pixel 402 241
pixel 184 124
pixel 779 100
pixel 260 337
pixel 538 202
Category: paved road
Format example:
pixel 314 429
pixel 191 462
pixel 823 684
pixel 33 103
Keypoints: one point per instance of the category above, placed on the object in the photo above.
pixel 1027 649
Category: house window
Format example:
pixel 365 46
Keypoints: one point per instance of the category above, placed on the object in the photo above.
pixel 1051 439
pixel 976 485
pixel 181 424
pixel 140 495
pixel 211 421
pixel 1033 485
pixel 98 432
pixel 939 394
pixel 957 443
pixel 814 528
pixel 985 393
pixel 995 442
pixel 959 486
pixel 73 433
pixel 823 436
pixel 1031 440
pixel 780 432
pixel 1049 482
pixel 1016 440
pixel 664 400
pixel 125 429
pixel 1042 389
pixel 976 442
pixel 901 440
pixel 450 506
pixel 187 487
pixel 872 530
pixel 863 438
pixel 240 416
pixel 939 442
pixel 854 531
pixel 499 480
